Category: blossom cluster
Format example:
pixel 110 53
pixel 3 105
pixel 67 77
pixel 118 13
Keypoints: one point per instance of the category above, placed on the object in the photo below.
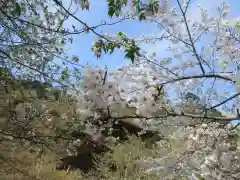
pixel 215 151
pixel 211 150
pixel 99 94
pixel 115 91
pixel 214 148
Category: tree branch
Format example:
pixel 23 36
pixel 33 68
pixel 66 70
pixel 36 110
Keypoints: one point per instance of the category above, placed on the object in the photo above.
pixel 29 67
pixel 190 38
pixel 199 76
pixel 225 101
pixel 169 114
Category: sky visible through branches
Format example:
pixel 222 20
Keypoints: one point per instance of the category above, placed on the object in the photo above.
pixel 98 13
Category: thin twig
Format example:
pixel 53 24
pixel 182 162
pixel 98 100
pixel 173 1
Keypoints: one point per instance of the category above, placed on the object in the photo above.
pixel 190 38
pixel 199 77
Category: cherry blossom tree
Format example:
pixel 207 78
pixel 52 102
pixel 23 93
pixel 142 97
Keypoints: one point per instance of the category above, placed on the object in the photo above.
pixel 210 143
pixel 206 143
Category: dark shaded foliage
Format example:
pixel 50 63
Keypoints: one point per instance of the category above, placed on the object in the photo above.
pixel 86 158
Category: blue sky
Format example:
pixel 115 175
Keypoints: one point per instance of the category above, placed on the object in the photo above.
pixel 82 43
pixel 98 12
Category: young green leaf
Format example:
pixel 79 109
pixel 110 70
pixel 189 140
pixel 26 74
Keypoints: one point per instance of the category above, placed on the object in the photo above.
pixel 17 9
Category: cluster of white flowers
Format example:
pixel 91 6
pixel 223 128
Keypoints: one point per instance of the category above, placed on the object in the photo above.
pixel 99 93
pixel 146 103
pixel 210 151
pixel 114 92
pixel 215 151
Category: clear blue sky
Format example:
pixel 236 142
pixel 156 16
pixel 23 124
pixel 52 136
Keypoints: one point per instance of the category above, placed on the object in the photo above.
pixel 98 12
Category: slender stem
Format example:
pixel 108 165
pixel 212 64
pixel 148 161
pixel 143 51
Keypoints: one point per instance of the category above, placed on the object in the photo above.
pixel 200 76
pixel 190 38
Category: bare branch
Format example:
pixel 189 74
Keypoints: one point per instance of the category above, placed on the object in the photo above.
pixel 170 114
pixel 225 101
pixel 40 72
pixel 190 38
pixel 199 77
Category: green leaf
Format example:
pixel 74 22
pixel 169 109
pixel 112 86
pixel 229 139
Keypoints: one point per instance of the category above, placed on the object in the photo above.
pixel 130 55
pixel 153 6
pixel 17 9
pixel 115 7
pixel 111 48
pixel 111 8
pixel 222 64
pixel 124 2
pixel 110 12
pixel 231 22
pixel 60 43
pixel 75 59
pixel 121 34
pixel 142 16
pixel 22 34
pixel 84 4
pixel 117 13
pixel 32 20
pixel 137 5
pixel 64 74
pixel 237 27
